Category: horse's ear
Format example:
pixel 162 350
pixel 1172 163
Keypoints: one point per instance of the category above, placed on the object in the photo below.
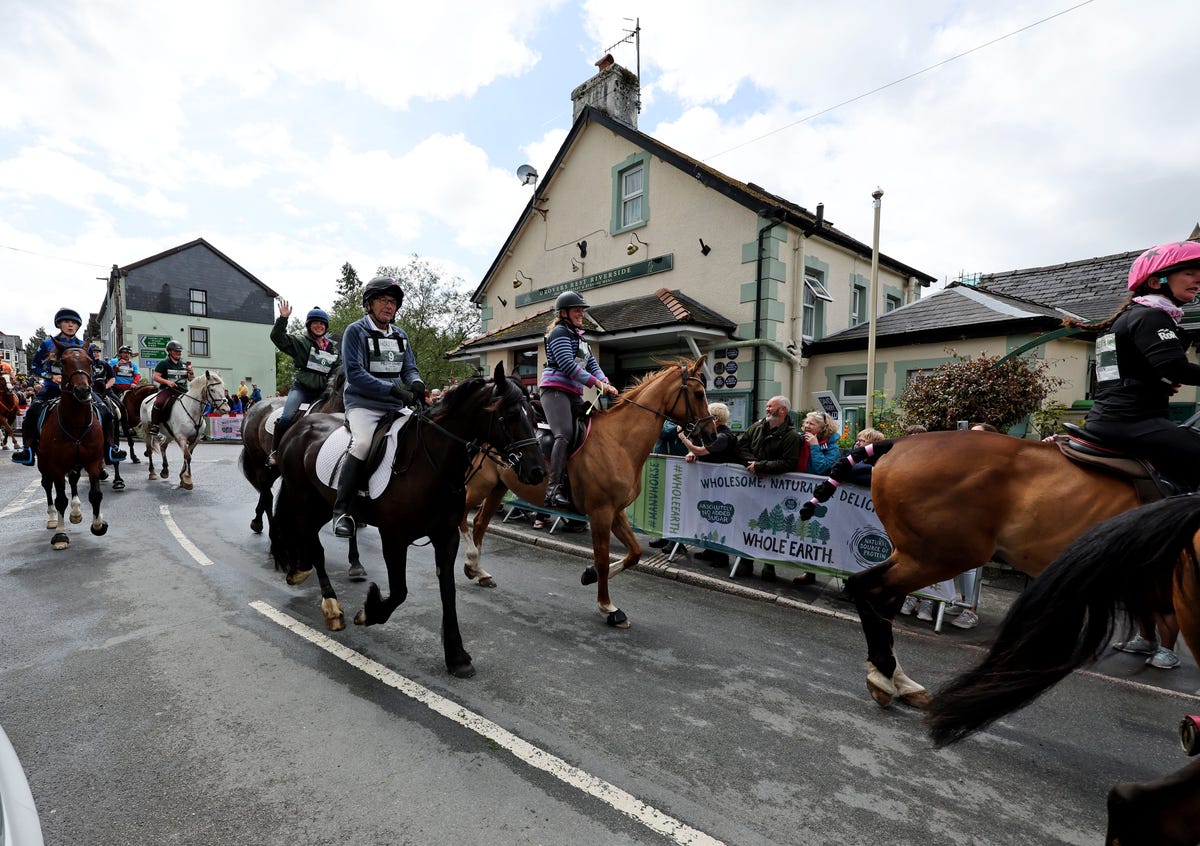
pixel 498 374
pixel 700 361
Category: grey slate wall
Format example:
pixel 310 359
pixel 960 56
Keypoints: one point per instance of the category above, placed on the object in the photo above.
pixel 163 285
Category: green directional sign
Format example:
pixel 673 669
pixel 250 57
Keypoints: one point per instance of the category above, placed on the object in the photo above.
pixel 155 343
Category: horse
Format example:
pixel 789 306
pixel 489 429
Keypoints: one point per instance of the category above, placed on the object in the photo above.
pixel 952 501
pixel 71 440
pixel 1128 568
pixel 423 495
pixel 130 402
pixel 604 473
pixel 9 405
pixel 185 423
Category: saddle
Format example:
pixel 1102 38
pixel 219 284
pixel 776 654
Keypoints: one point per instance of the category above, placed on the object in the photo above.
pixel 1088 449
pixel 380 456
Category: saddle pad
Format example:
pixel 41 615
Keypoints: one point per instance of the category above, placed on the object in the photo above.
pixel 337 445
pixel 272 419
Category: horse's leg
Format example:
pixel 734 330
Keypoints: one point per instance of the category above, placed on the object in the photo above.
pixel 185 471
pixel 127 428
pixel 601 522
pixel 118 483
pixel 95 494
pixel 53 514
pixel 377 609
pixel 150 446
pixel 357 572
pixel 474 540
pixel 877 602
pixel 60 540
pixel 76 506
pixel 1165 812
pixel 331 609
pixel 445 551
pixel 263 506
pixel 625 535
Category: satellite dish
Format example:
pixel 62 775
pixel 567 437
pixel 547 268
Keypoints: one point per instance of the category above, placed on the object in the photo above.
pixel 527 174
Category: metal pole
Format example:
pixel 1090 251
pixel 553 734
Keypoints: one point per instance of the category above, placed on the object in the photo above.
pixel 877 196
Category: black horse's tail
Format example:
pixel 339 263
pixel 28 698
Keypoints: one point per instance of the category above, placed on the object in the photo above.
pixel 867 454
pixel 1122 567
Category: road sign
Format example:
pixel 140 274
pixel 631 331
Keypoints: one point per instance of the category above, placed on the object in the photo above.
pixel 828 403
pixel 154 342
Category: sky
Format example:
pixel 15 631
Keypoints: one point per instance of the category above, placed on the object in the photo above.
pixel 296 136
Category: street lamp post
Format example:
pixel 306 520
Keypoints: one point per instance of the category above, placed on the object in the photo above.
pixel 877 196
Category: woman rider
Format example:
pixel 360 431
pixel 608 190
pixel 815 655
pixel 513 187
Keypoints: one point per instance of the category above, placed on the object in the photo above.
pixel 1141 360
pixel 381 376
pixel 314 356
pixel 570 367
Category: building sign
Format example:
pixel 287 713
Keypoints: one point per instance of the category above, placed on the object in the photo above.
pixel 658 264
pixel 828 403
pixel 153 345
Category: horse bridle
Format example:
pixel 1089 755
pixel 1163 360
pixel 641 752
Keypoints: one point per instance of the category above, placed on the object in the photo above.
pixel 689 424
pixel 200 403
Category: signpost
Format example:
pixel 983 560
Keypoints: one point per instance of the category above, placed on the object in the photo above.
pixel 829 404
pixel 153 346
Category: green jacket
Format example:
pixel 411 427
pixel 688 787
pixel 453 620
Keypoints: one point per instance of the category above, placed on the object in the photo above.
pixel 773 451
pixel 308 359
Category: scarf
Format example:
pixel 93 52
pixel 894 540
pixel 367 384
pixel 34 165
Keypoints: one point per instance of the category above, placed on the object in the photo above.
pixel 1161 303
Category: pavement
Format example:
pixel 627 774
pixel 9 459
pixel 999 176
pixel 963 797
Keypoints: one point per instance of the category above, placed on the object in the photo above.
pixel 1000 588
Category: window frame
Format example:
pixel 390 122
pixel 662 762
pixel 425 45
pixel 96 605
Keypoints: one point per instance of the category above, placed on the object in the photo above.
pixel 893 301
pixel 201 302
pixel 618 223
pixel 812 307
pixel 195 342
pixel 858 304
pixel 851 399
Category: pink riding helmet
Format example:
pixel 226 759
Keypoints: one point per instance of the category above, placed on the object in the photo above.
pixel 1164 259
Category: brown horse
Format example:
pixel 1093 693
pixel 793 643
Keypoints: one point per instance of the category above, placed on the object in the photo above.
pixel 1128 568
pixel 604 473
pixel 951 502
pixel 9 405
pixel 422 498
pixel 130 406
pixel 71 440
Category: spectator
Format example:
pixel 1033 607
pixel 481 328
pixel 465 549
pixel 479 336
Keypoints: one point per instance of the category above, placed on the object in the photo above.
pixel 983 427
pixel 255 395
pixel 772 447
pixel 435 395
pixel 1161 651
pixel 722 449
pixel 819 438
pixel 860 474
pixel 668 442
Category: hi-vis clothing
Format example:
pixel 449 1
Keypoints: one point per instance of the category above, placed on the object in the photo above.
pixel 127 373
pixel 374 361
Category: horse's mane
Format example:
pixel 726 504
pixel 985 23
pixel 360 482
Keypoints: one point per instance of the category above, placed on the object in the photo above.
pixel 456 398
pixel 640 384
pixel 335 384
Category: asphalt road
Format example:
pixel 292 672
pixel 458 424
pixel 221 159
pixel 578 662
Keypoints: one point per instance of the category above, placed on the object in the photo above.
pixel 152 703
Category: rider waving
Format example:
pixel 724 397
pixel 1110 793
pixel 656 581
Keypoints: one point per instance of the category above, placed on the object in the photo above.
pixel 570 367
pixel 381 376
pixel 314 355
pixel 172 376
pixel 1141 360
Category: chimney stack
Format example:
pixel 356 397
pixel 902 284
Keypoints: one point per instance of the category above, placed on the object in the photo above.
pixel 614 90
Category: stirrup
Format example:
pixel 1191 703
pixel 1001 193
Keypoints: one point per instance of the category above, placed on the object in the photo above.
pixel 271 462
pixel 343 526
pixel 25 456
pixel 116 454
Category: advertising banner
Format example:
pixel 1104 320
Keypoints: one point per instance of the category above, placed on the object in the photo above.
pixel 224 428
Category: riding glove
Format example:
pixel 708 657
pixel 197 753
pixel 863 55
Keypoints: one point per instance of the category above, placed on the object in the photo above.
pixel 405 396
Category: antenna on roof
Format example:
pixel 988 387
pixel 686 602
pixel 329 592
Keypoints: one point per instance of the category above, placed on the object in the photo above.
pixel 634 35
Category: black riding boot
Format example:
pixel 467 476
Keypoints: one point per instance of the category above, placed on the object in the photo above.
pixel 29 436
pixel 115 453
pixel 280 430
pixel 556 493
pixel 348 485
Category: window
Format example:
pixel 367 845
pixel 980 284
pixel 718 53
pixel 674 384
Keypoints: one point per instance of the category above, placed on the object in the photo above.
pixel 815 296
pixel 858 305
pixel 198 341
pixel 890 303
pixel 852 390
pixel 198 302
pixel 633 191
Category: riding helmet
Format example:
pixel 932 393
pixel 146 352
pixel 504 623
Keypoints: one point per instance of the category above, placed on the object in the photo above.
pixel 94 348
pixel 379 286
pixel 125 348
pixel 569 299
pixel 1162 260
pixel 316 314
pixel 173 346
pixel 67 314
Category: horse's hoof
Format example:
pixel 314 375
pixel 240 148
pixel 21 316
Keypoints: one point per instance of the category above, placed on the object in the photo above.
pixel 118 484
pixel 187 486
pixel 152 477
pixel 618 620
pixel 487 581
pixel 335 617
pixel 298 577
pixel 101 530
pixel 357 572
pixel 60 541
pixel 589 577
pixel 462 670
pixel 360 619
pixel 76 518
pixel 256 526
pixel 51 524
pixel 882 698
pixel 918 699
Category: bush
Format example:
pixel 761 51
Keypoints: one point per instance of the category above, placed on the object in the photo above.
pixel 978 389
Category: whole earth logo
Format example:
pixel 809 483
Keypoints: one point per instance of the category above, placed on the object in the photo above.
pixel 870 546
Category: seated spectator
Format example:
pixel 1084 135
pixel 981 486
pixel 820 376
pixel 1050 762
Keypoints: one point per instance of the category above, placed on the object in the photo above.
pixel 860 474
pixel 819 433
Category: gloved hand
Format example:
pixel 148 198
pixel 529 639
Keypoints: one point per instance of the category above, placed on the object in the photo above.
pixel 418 390
pixel 404 395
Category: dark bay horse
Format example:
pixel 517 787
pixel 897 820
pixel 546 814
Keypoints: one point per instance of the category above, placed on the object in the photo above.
pixel 423 497
pixel 605 473
pixel 1128 568
pixel 9 405
pixel 71 441
pixel 951 502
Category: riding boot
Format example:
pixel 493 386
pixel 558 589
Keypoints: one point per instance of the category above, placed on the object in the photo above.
pixel 29 435
pixel 343 505
pixel 556 493
pixel 115 453
pixel 280 429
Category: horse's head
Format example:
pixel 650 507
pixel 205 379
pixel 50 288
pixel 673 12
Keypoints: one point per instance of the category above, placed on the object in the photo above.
pixel 214 392
pixel 76 371
pixel 512 430
pixel 678 392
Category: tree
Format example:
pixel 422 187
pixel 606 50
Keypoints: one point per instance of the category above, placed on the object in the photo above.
pixel 347 308
pixel 978 389
pixel 285 368
pixel 31 348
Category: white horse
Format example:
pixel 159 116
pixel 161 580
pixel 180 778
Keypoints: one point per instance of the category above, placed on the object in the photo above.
pixel 185 425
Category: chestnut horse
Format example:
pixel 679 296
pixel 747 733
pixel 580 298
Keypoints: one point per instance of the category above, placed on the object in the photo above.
pixel 423 496
pixel 9 405
pixel 951 502
pixel 1128 568
pixel 71 440
pixel 604 473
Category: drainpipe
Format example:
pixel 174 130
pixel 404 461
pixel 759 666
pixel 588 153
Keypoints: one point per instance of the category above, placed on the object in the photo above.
pixel 777 213
pixel 797 329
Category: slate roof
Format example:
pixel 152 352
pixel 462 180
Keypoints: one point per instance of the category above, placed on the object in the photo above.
pixel 956 312
pixel 663 309
pixel 1092 288
pixel 199 242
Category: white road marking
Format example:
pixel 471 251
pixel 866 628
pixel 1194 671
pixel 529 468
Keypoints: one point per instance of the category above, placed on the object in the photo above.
pixel 188 547
pixel 24 500
pixel 607 793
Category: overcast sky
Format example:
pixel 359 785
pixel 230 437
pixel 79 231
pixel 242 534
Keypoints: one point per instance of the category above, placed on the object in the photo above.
pixel 296 136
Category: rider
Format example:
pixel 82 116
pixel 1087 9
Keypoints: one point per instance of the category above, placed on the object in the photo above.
pixel 67 321
pixel 314 355
pixel 1141 360
pixel 172 376
pixel 128 374
pixel 570 367
pixel 381 376
pixel 103 377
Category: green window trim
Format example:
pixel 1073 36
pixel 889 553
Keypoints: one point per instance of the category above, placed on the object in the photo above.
pixel 619 171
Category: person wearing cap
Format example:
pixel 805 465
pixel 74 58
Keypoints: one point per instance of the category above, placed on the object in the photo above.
pixel 314 355
pixel 381 377
pixel 48 367
pixel 1141 361
pixel 570 367
pixel 172 376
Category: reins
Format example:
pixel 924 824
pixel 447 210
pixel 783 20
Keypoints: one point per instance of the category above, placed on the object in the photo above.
pixel 689 424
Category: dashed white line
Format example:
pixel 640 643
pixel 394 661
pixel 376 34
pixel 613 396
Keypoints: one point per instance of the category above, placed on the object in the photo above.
pixel 188 547
pixel 607 793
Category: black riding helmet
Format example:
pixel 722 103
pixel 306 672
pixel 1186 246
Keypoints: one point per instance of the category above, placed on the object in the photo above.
pixel 380 286
pixel 569 299
pixel 174 346
pixel 125 348
pixel 66 314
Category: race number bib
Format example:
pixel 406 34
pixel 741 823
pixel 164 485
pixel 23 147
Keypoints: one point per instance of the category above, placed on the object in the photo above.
pixel 320 361
pixel 1106 359
pixel 387 357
